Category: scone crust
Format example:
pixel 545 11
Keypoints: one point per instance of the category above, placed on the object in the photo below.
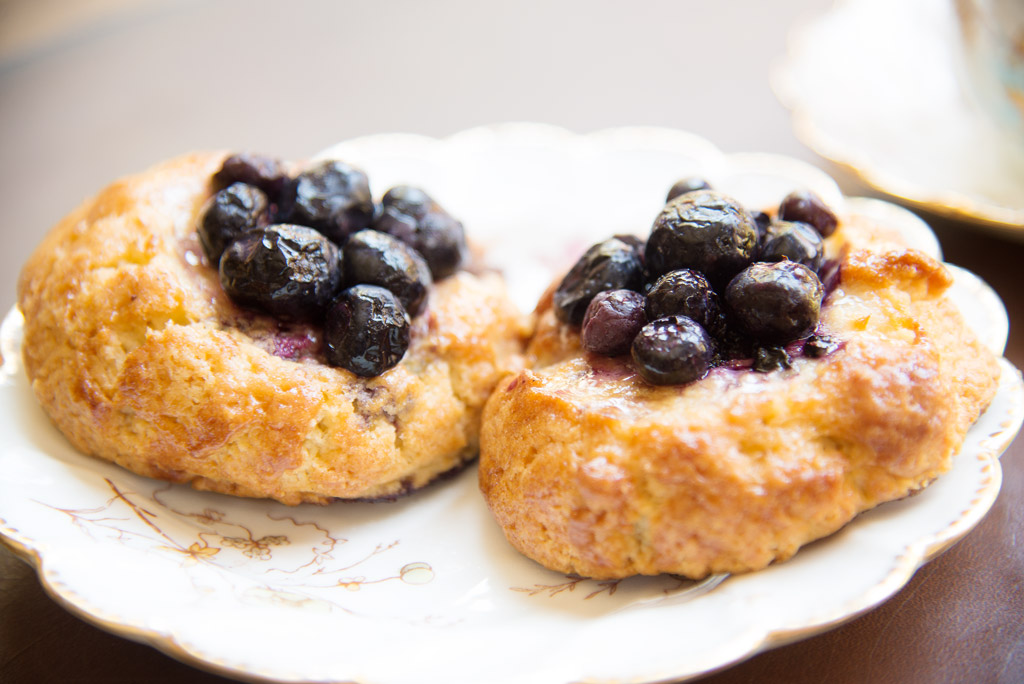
pixel 140 358
pixel 592 472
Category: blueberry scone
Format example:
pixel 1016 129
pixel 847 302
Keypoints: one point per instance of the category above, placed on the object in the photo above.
pixel 267 330
pixel 734 386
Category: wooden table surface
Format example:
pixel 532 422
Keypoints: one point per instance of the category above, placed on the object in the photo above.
pixel 125 88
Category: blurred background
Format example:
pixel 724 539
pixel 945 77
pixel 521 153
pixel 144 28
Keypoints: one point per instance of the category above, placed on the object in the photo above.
pixel 94 89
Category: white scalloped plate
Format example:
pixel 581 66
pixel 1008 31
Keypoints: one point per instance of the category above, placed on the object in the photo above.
pixel 427 589
pixel 873 86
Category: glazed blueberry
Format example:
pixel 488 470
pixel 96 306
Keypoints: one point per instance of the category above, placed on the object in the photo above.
pixel 291 272
pixel 635 241
pixel 228 215
pixel 407 200
pixel 266 173
pixel 818 346
pixel 672 351
pixel 613 319
pixel 609 265
pixel 685 185
pixel 401 210
pixel 767 359
pixel 762 220
pixel 704 231
pixel 638 244
pixel 332 197
pixel 794 241
pixel 401 226
pixel 775 303
pixel 375 258
pixel 366 330
pixel 413 217
pixel 683 293
pixel 806 207
pixel 441 240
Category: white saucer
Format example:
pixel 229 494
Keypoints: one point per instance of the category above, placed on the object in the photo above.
pixel 427 589
pixel 873 86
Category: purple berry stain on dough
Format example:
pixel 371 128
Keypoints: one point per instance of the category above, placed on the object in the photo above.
pixel 292 346
pixel 610 369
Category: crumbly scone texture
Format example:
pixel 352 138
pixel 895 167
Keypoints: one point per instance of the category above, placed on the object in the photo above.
pixel 140 358
pixel 590 471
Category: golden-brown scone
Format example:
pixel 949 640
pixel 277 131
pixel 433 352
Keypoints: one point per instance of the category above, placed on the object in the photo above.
pixel 140 358
pixel 591 471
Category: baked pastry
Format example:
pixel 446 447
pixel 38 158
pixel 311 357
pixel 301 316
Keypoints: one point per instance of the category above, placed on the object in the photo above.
pixel 611 466
pixel 140 356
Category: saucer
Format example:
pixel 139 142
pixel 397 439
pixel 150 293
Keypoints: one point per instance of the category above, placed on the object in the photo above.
pixel 873 85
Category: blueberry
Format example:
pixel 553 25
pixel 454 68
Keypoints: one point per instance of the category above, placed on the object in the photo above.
pixel 762 220
pixel 408 200
pixel 683 293
pixel 228 215
pixel 704 231
pixel 685 185
pixel 609 265
pixel 613 319
pixel 266 173
pixel 442 242
pixel 805 206
pixel 291 272
pixel 410 215
pixel 818 346
pixel 395 223
pixel 635 241
pixel 401 210
pixel 332 197
pixel 366 330
pixel 794 241
pixel 375 258
pixel 672 351
pixel 775 302
pixel 767 359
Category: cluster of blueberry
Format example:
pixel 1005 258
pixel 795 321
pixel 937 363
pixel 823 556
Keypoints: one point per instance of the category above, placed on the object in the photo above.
pixel 316 248
pixel 714 284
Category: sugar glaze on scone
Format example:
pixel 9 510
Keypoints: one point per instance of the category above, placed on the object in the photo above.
pixel 592 471
pixel 140 358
